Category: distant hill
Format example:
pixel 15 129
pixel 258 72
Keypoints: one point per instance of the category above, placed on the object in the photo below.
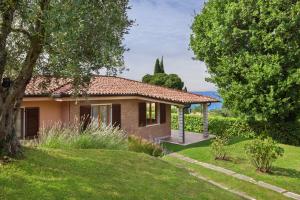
pixel 213 94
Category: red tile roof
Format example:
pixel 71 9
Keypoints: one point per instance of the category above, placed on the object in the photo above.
pixel 111 86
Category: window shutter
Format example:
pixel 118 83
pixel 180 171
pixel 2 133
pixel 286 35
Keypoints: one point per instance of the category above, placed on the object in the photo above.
pixel 116 115
pixel 85 115
pixel 142 114
pixel 162 108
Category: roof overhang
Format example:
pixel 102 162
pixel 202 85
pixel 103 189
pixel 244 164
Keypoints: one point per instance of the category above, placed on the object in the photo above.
pixel 105 98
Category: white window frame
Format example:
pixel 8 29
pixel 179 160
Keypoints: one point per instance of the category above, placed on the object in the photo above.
pixel 158 114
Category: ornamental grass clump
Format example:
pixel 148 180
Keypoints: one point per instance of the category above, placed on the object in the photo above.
pixel 263 152
pixel 138 144
pixel 73 136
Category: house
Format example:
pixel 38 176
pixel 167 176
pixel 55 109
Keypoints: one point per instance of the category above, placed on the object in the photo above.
pixel 137 108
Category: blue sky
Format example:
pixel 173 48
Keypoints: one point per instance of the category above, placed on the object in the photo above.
pixel 162 28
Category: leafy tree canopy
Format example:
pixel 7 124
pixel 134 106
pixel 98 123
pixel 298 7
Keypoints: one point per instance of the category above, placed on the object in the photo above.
pixel 166 80
pixel 72 38
pixel 251 49
pixel 161 78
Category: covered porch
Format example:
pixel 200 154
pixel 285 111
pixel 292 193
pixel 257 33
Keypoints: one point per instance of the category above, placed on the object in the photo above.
pixel 184 138
pixel 190 138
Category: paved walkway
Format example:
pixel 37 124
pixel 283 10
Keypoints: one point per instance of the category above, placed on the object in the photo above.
pixel 238 176
pixel 190 138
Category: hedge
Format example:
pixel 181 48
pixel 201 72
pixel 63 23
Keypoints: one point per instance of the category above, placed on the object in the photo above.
pixel 216 124
pixel 288 133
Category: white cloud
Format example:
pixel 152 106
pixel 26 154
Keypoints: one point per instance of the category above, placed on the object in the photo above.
pixel 163 29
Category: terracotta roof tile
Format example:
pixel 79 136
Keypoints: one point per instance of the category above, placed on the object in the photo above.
pixel 112 86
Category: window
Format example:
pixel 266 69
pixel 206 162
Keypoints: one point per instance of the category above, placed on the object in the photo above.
pixel 151 113
pixel 101 115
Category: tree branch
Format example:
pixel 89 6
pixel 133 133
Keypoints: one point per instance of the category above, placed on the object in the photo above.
pixel 35 49
pixel 5 29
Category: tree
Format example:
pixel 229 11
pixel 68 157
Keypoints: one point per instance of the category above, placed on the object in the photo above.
pixel 157 67
pixel 251 49
pixel 161 65
pixel 62 38
pixel 147 78
pixel 173 81
pixel 158 79
pixel 166 80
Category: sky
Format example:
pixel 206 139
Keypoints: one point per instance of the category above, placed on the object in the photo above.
pixel 162 28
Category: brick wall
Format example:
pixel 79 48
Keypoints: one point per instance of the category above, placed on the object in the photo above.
pixel 129 118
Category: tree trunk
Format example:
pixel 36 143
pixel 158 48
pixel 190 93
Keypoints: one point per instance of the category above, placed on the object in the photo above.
pixel 9 143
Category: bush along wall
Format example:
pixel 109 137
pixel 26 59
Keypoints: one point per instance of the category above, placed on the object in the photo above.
pixel 216 124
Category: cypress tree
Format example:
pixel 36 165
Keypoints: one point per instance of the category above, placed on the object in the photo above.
pixel 162 70
pixel 157 67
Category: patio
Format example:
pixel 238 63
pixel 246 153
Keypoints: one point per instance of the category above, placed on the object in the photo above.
pixel 190 138
pixel 182 137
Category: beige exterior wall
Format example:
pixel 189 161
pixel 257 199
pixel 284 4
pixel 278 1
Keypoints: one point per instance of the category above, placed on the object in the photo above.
pixel 50 111
pixel 69 111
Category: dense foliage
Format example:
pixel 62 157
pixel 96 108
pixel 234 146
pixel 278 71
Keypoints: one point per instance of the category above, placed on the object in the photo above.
pixel 216 124
pixel 263 152
pixel 287 133
pixel 159 66
pixel 251 49
pixel 161 78
pixel 166 80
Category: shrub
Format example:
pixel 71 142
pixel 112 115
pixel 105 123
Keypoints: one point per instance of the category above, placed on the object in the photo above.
pixel 240 128
pixel 72 136
pixel 138 144
pixel 194 123
pixel 286 133
pixel 219 149
pixel 263 152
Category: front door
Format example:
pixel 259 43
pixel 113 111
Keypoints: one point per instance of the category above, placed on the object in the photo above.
pixel 31 122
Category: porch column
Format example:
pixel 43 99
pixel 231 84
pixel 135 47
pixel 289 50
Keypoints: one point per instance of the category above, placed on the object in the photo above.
pixel 181 134
pixel 205 119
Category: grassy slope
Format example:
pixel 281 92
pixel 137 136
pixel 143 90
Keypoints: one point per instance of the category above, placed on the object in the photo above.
pixel 230 182
pixel 99 174
pixel 286 172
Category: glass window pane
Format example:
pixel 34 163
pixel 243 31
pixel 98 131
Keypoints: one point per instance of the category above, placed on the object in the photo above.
pixel 148 110
pixel 153 113
pixel 103 115
pixel 95 114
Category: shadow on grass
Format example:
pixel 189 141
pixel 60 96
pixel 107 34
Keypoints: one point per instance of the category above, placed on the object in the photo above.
pixel 292 173
pixel 176 148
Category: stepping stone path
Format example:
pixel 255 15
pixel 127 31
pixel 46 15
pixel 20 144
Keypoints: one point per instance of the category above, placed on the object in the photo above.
pixel 238 176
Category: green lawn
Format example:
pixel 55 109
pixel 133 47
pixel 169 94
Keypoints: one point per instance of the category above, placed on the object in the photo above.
pixel 230 182
pixel 100 174
pixel 286 172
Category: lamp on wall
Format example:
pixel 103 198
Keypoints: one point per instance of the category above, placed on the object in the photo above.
pixel 6 82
